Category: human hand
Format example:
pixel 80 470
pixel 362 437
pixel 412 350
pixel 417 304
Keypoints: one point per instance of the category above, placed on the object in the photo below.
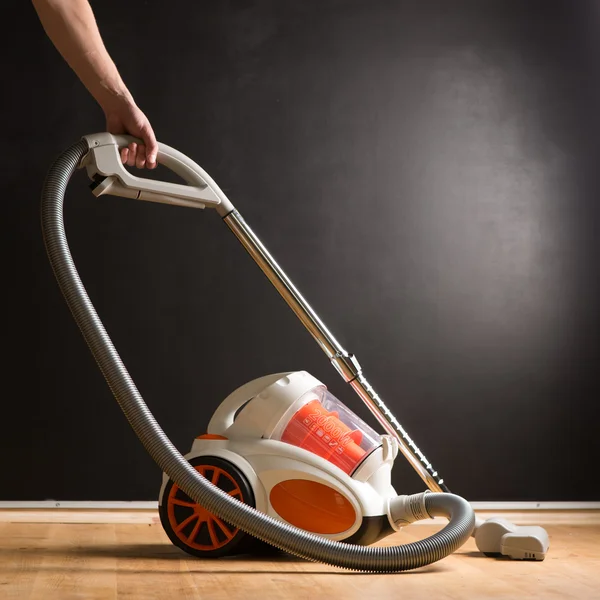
pixel 125 117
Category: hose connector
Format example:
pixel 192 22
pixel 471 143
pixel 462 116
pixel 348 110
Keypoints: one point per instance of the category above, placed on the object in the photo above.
pixel 404 510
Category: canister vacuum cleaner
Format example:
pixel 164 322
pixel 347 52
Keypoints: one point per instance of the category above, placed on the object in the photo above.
pixel 283 462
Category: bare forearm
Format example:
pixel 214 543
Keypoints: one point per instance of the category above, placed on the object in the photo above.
pixel 71 26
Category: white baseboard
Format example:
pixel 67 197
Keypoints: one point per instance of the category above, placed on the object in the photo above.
pixel 79 504
pixel 542 505
pixel 138 513
pixel 153 505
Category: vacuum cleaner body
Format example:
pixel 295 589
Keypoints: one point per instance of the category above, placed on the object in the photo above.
pixel 284 444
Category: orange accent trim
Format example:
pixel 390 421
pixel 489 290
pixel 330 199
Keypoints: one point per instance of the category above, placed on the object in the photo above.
pixel 201 515
pixel 312 506
pixel 210 436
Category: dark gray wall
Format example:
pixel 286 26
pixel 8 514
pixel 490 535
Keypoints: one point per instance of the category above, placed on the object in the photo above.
pixel 425 171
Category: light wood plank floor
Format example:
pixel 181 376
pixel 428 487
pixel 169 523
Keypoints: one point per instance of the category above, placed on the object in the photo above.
pixel 119 559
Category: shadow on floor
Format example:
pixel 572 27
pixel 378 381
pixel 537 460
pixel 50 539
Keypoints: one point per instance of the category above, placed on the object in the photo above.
pixel 273 561
pixel 477 554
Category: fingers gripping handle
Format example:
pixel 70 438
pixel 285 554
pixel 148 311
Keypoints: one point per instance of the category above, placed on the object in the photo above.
pixel 104 160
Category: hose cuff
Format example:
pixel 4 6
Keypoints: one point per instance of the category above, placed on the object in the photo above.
pixel 404 510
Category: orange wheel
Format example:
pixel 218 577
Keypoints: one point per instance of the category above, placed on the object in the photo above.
pixel 192 527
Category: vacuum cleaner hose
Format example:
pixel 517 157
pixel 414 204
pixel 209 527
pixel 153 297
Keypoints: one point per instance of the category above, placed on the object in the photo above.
pixel 277 533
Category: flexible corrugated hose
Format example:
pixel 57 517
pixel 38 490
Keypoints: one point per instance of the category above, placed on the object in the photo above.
pixel 277 533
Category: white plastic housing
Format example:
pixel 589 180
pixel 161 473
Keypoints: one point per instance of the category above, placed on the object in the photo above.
pixel 297 409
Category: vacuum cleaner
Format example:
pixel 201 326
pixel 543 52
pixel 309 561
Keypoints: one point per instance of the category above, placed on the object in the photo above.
pixel 283 463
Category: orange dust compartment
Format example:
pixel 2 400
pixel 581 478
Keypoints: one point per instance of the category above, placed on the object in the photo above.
pixel 322 433
pixel 321 424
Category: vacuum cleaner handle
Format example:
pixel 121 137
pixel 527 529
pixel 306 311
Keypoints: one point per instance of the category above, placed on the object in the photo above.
pixel 104 166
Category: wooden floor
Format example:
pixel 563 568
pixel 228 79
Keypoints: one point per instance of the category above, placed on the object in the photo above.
pixel 130 557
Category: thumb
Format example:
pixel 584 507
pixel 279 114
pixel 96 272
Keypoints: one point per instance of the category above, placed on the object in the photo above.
pixel 147 134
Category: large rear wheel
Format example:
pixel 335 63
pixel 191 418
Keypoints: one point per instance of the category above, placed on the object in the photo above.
pixel 192 527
